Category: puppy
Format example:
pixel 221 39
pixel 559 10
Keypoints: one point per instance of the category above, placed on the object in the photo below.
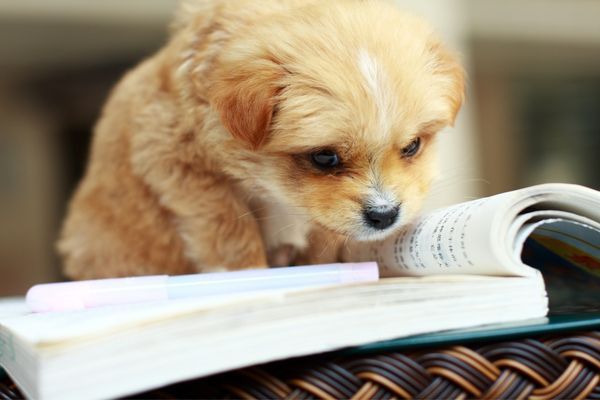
pixel 263 133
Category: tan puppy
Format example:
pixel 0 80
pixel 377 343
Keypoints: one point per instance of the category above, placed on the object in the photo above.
pixel 263 132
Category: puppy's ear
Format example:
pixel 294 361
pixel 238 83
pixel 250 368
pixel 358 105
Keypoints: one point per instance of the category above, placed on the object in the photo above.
pixel 452 77
pixel 244 95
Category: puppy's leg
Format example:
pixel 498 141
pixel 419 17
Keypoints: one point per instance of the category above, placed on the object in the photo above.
pixel 324 247
pixel 284 230
pixel 290 238
pixel 206 229
pixel 218 229
pixel 215 223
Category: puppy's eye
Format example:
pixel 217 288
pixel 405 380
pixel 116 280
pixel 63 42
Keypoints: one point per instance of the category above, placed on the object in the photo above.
pixel 325 159
pixel 412 148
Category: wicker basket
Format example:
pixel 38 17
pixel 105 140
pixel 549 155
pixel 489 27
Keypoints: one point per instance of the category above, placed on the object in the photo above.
pixel 564 367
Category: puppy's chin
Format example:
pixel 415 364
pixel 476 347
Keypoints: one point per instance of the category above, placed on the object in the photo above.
pixel 366 234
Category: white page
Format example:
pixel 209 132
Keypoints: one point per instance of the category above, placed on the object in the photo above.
pixel 55 328
pixel 12 306
pixel 460 239
pixel 38 328
pixel 476 237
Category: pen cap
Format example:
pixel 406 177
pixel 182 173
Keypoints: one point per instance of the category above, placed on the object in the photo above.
pixel 69 296
pixel 360 272
pixel 65 296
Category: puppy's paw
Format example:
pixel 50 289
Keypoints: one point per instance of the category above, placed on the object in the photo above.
pixel 282 256
pixel 324 248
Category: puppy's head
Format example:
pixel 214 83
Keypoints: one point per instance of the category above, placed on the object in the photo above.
pixel 336 106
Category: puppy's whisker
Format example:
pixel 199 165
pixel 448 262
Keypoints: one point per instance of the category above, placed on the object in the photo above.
pixel 285 228
pixel 334 242
pixel 252 211
pixel 441 187
pixel 270 217
pixel 459 180
pixel 245 214
pixel 346 243
pixel 328 244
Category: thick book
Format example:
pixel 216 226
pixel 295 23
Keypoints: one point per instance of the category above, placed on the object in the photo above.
pixel 482 262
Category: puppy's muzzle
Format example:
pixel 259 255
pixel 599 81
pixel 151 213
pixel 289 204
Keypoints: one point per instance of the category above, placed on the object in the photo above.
pixel 381 217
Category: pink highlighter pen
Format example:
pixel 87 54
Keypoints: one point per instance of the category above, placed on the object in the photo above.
pixel 79 295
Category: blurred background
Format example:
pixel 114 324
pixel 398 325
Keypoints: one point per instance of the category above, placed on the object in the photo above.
pixel 532 113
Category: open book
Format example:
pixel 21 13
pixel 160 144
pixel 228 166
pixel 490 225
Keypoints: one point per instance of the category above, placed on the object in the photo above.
pixel 459 267
pixel 551 230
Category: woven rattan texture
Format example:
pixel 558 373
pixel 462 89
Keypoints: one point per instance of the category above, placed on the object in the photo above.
pixel 566 367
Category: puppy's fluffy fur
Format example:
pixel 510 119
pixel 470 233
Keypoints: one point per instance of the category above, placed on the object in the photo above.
pixel 202 156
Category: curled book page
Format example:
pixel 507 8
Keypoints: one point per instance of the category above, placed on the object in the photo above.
pixel 483 237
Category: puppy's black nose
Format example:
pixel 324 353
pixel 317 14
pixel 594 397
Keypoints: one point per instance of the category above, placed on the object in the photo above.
pixel 381 217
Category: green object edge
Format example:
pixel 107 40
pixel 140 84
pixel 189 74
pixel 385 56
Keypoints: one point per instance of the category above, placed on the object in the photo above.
pixel 555 324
